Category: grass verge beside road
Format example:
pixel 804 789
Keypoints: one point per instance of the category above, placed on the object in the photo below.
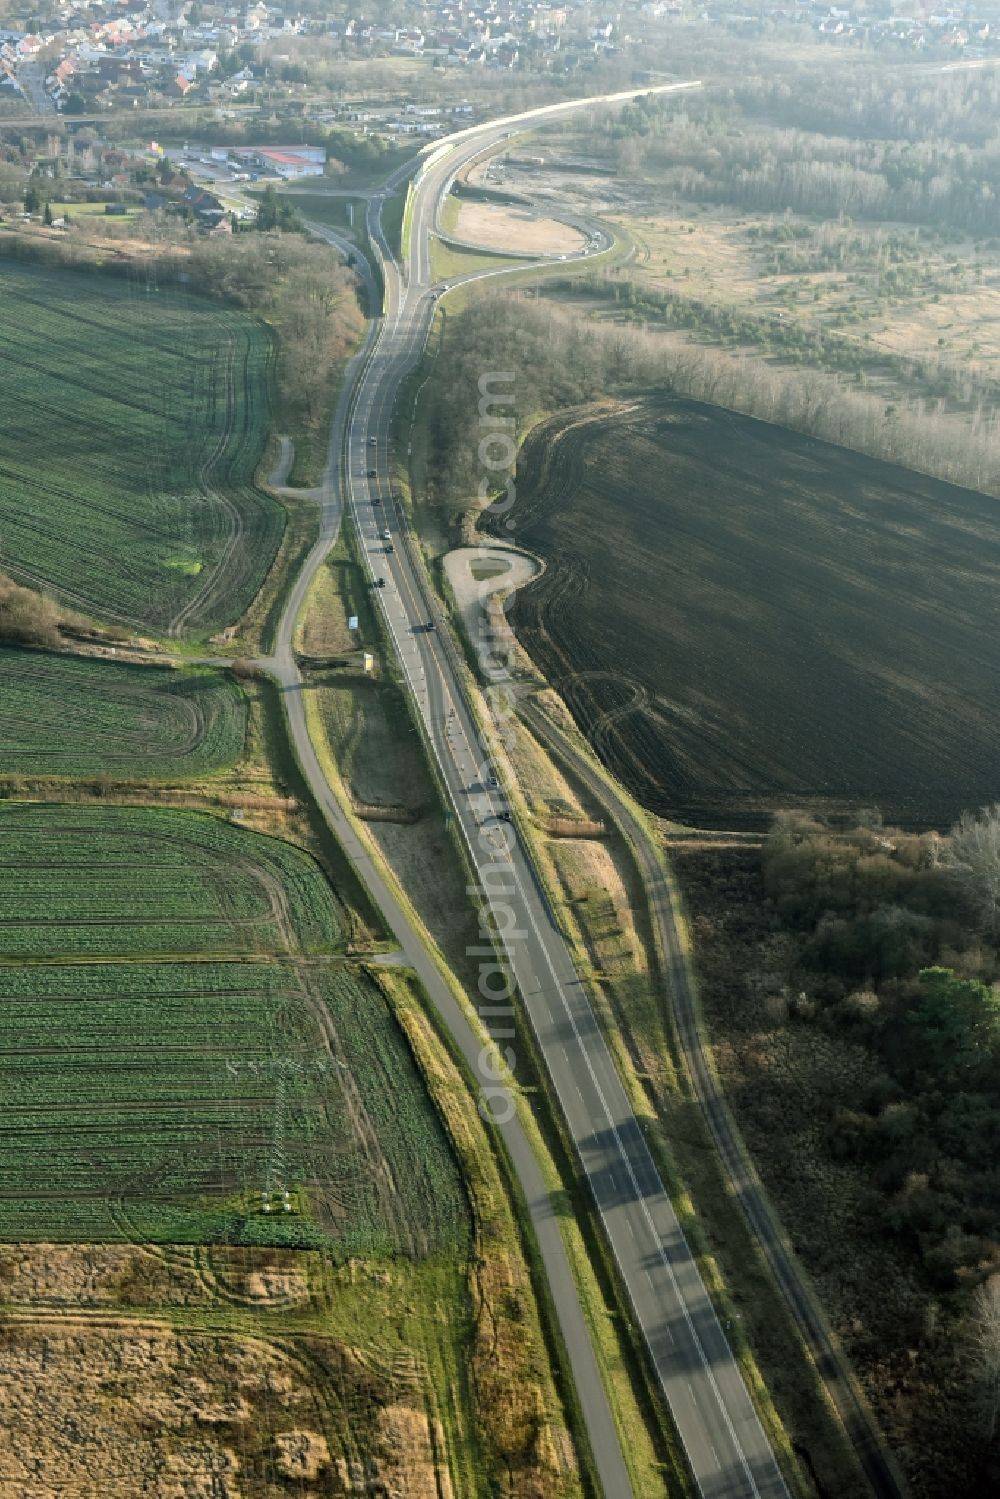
pixel 447 263
pixel 510 1374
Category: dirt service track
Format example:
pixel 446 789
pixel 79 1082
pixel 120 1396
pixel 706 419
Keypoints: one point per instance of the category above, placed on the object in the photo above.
pixel 742 618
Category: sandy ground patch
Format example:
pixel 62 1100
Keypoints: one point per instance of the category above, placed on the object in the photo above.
pixel 108 1275
pixel 105 1411
pixel 510 228
pixel 478 573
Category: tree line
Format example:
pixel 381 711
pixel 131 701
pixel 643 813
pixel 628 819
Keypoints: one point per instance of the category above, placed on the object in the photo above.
pixel 888 945
pixel 561 360
pixel 827 142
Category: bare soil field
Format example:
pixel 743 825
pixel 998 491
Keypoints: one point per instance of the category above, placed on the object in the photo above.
pixel 742 618
pixel 519 229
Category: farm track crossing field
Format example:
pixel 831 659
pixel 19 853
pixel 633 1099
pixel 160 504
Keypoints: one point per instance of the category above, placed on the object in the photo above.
pixel 132 419
pixel 173 1043
pixel 77 716
pixel 742 618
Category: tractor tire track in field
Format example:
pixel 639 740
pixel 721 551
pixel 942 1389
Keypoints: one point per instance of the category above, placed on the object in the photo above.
pixel 232 518
pixel 604 726
pixel 365 1133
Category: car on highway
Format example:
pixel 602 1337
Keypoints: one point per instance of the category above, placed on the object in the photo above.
pixel 376 499
pixel 386 533
pixel 378 583
pixel 373 442
pixel 372 473
pixel 389 549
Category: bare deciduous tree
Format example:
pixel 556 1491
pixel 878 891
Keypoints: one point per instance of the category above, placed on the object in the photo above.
pixel 973 855
pixel 986 1356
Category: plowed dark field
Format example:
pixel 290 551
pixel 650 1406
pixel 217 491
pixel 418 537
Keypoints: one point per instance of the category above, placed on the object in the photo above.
pixel 742 618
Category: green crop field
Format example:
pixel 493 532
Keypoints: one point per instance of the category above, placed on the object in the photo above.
pixel 105 881
pixel 132 419
pixel 169 1053
pixel 76 716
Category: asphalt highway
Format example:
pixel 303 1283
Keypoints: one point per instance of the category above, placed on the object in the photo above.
pixel 879 1467
pixel 727 1449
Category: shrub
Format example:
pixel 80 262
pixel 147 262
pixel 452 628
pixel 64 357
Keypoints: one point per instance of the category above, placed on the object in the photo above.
pixel 26 617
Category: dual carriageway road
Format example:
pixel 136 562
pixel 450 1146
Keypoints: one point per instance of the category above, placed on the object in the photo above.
pixel 726 1447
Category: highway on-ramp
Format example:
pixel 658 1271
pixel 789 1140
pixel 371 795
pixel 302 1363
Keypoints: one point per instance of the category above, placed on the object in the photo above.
pixel 727 1449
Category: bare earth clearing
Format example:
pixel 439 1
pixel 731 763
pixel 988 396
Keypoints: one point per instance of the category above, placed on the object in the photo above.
pixel 476 575
pixel 509 228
